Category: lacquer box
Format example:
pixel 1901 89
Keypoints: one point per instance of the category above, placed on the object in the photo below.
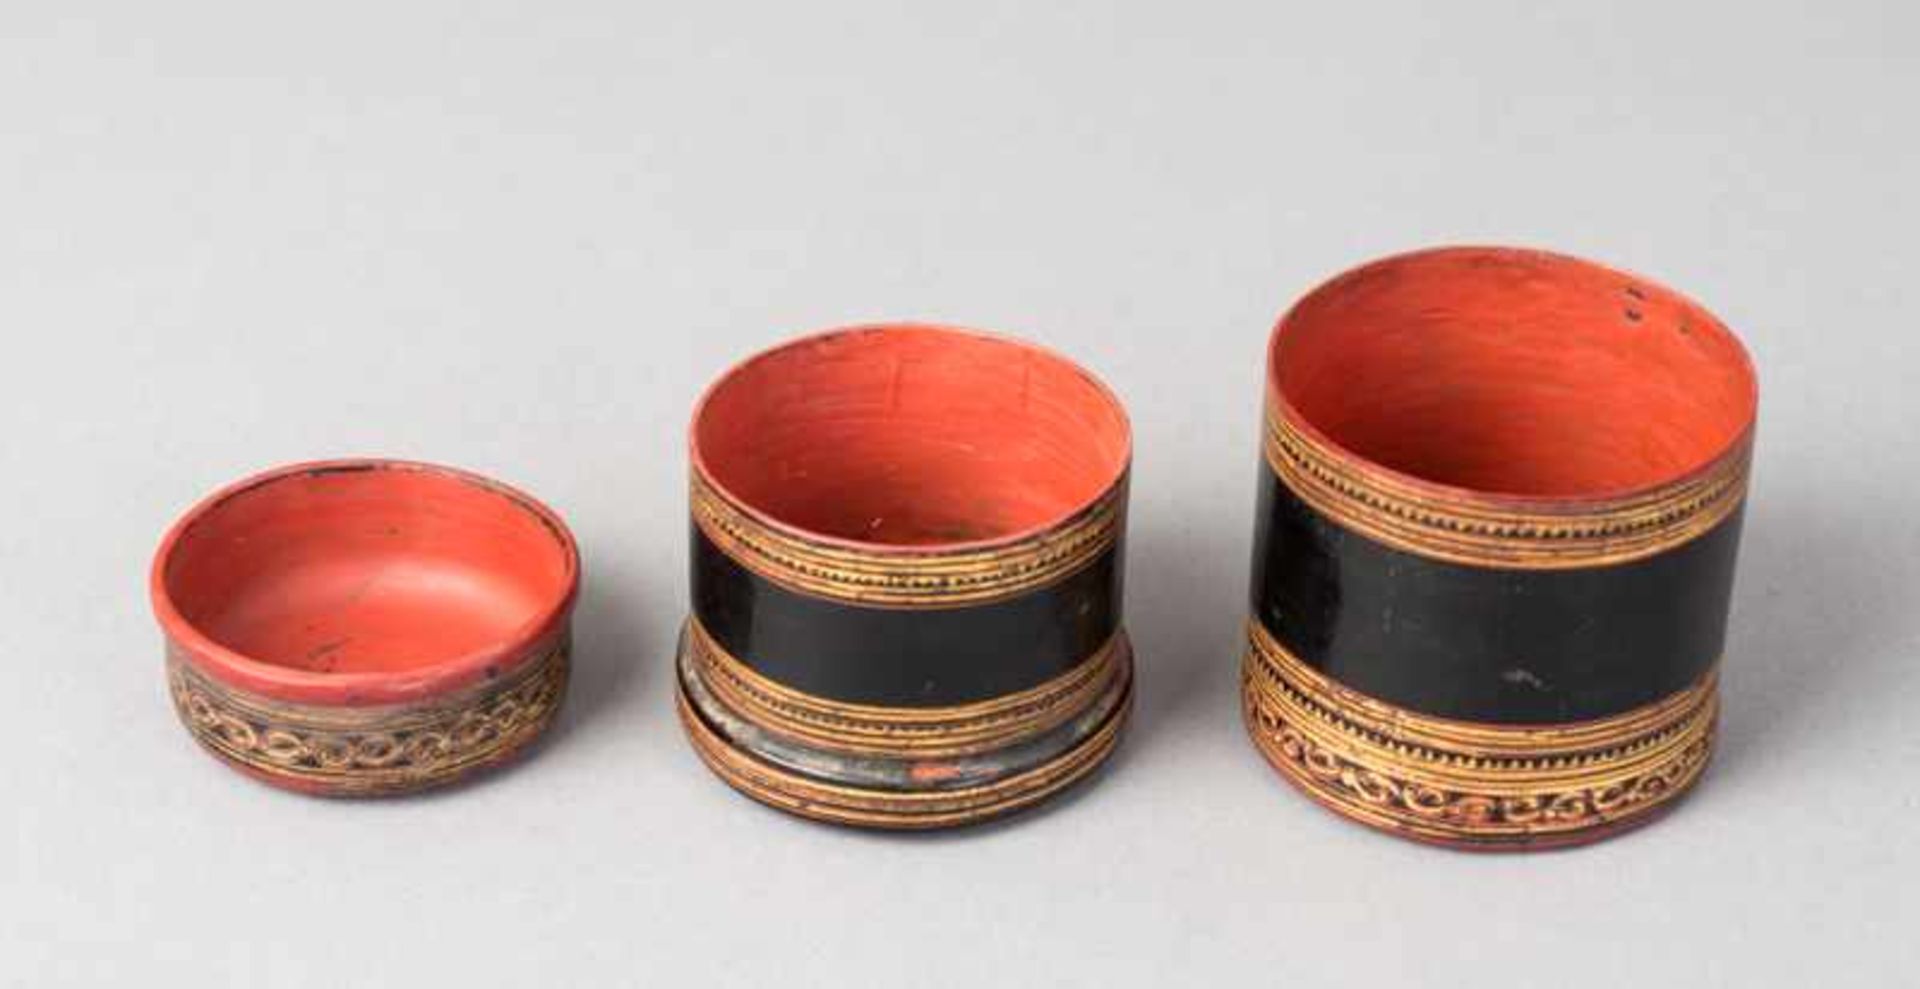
pixel 1495 546
pixel 906 576
pixel 366 627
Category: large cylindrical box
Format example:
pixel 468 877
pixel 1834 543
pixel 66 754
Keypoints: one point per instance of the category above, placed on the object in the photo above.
pixel 906 576
pixel 1495 546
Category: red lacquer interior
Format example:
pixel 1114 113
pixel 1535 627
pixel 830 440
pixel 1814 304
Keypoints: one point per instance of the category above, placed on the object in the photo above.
pixel 366 569
pixel 911 436
pixel 1514 372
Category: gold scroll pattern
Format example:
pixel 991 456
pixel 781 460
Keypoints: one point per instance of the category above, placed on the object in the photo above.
pixel 1468 784
pixel 370 751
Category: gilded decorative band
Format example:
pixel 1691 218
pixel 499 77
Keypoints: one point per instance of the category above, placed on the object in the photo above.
pixel 366 751
pixel 1485 531
pixel 923 732
pixel 1468 784
pixel 906 578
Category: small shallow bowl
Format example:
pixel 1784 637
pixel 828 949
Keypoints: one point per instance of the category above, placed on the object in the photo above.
pixel 366 627
pixel 1496 546
pixel 906 572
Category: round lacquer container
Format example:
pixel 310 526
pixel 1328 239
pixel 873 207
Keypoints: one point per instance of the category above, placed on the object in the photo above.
pixel 906 571
pixel 1495 545
pixel 366 627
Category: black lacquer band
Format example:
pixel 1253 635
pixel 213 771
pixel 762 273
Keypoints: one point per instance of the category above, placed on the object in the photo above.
pixel 905 658
pixel 1485 644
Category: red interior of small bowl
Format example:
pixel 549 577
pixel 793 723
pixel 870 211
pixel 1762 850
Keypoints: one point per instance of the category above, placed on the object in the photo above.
pixel 366 568
pixel 1514 372
pixel 911 436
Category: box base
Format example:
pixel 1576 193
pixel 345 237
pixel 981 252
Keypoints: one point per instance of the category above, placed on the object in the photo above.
pixel 1469 785
pixel 916 787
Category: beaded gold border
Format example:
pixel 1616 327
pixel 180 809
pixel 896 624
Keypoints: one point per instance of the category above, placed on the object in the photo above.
pixel 906 577
pixel 1466 784
pixel 1488 531
pixel 918 732
pixel 370 751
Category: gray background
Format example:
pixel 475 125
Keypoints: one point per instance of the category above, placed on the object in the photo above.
pixel 521 240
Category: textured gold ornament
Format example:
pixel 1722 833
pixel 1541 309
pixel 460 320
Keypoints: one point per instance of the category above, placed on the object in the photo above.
pixel 370 751
pixel 907 577
pixel 1468 784
pixel 901 732
pixel 1494 532
pixel 899 768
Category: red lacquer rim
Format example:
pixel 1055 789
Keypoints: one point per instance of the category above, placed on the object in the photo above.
pixel 366 688
pixel 1118 477
pixel 1734 447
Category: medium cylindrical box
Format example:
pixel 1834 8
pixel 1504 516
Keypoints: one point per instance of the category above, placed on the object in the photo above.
pixel 1495 546
pixel 906 576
